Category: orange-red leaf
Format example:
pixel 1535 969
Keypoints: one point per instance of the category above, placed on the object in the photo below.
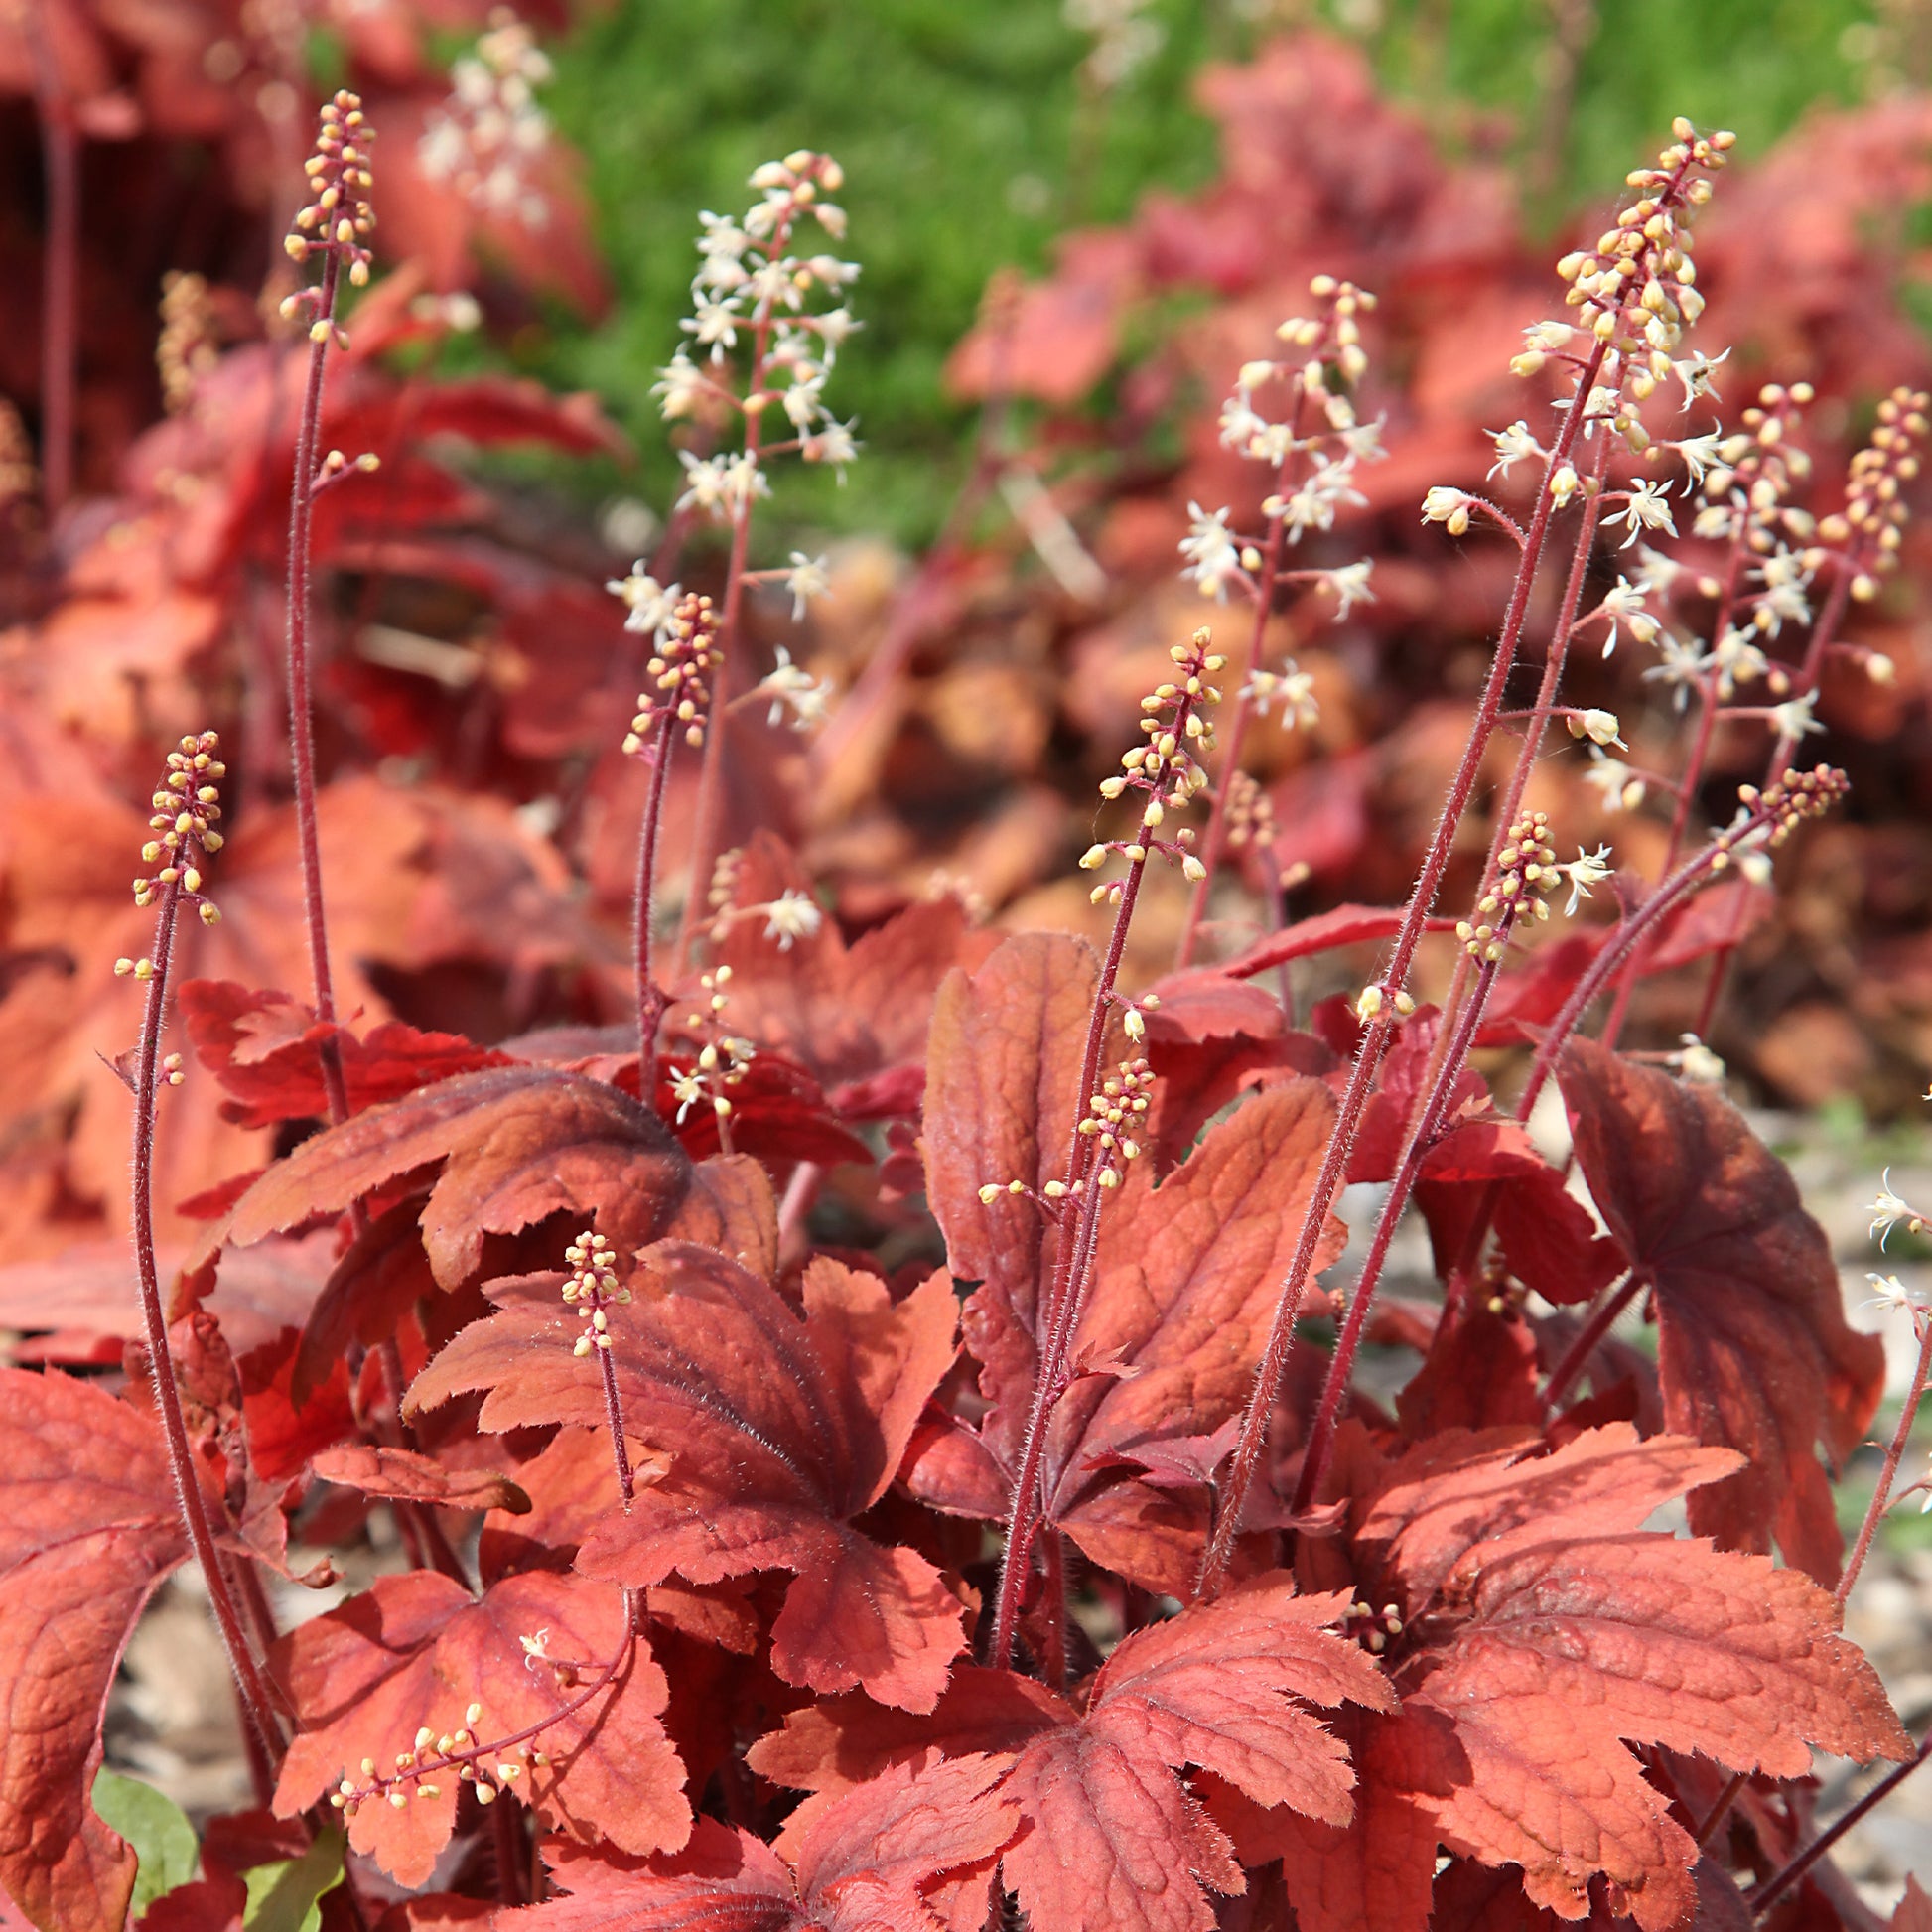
pixel 1753 1349
pixel 867 1863
pixel 89 1526
pixel 418 1650
pixel 514 1144
pixel 1540 1641
pixel 1117 1843
pixel 781 1431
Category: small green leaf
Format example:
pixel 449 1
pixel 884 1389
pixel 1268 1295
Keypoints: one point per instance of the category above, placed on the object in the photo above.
pixel 157 1828
pixel 283 1897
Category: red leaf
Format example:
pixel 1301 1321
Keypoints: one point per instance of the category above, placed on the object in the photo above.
pixel 781 1431
pixel 514 1144
pixel 849 1013
pixel 416 1650
pixel 89 1527
pixel 778 1113
pixel 265 1051
pixel 1340 925
pixel 1479 1373
pixel 864 1865
pixel 1550 1639
pixel 1753 1349
pixel 1117 1844
pixel 413 1478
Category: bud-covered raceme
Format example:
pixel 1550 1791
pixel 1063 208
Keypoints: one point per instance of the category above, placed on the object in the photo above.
pixel 681 672
pixel 337 221
pixel 187 807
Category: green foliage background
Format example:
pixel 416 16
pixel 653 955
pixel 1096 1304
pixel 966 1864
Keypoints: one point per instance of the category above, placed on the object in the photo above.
pixel 967 145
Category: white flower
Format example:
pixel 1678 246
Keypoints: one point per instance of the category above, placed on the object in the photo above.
pixel 1295 688
pixel 1891 1293
pixel 1442 505
pixel 1888 1211
pixel 1621 787
pixel 687 1089
pixel 1647 509
pixel 1599 727
pixel 806 579
pixel 1548 337
pixel 834 326
pixel 704 479
pixel 1240 425
pixel 1785 578
pixel 834 444
pixel 1695 374
pixel 1700 453
pixel 1585 870
pixel 1793 718
pixel 789 917
pixel 1512 444
pixel 1716 521
pixel 715 325
pixel 1350 585
pixel 803 405
pixel 649 603
pixel 1364 442
pixel 1697 1062
pixel 789 685
pixel 1737 660
pixel 1214 557
pixel 1683 665
pixel 1625 603
pixel 680 385
pixel 1313 505
pixel 1563 486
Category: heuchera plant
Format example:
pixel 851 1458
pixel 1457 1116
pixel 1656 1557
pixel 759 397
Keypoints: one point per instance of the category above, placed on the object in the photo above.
pixel 1054 1567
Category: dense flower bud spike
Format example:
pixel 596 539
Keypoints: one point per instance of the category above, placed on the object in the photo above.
pixel 681 671
pixel 337 221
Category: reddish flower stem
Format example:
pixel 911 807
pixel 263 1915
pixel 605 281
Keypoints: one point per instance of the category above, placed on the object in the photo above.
pixel 301 728
pixel 1693 774
pixel 1894 1454
pixel 1823 634
pixel 1369 1057
pixel 256 1702
pixel 1761 1897
pixel 1602 1318
pixel 651 997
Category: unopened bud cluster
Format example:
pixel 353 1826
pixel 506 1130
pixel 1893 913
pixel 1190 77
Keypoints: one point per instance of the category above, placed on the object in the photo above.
pixel 1526 867
pixel 186 807
pixel 593 1286
pixel 1870 528
pixel 1782 808
pixel 1166 770
pixel 1635 293
pixel 337 218
pixel 680 670
pixel 455 1753
pixel 1114 1118
pixel 722 1059
pixel 184 350
pixel 1373 1629
pixel 1250 814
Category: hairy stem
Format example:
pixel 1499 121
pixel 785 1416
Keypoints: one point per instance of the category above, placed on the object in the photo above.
pixel 1894 1453
pixel 651 997
pixel 1612 1303
pixel 302 727
pixel 1761 1897
pixel 1369 1057
pixel 250 1685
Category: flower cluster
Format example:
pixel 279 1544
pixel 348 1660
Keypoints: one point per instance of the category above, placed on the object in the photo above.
pixel 1123 39
pixel 490 133
pixel 1312 443
pixel 750 283
pixel 186 807
pixel 1373 1629
pixel 1527 868
pixel 1113 1116
pixel 337 221
pixel 720 1058
pixel 1870 528
pixel 1888 1211
pixel 184 350
pixel 682 671
pixel 1166 768
pixel 453 1754
pixel 593 1287
pixel 1777 812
